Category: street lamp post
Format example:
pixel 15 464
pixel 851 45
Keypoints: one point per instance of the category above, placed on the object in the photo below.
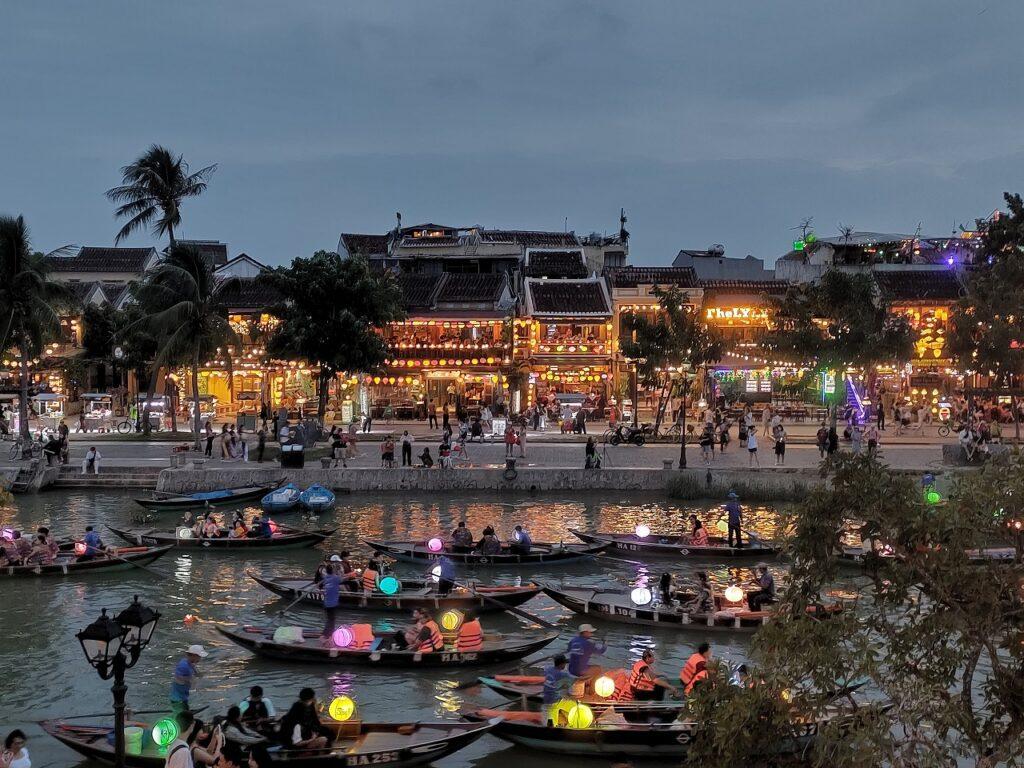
pixel 112 646
pixel 687 381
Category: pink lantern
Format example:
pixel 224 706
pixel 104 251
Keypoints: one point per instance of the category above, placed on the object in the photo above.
pixel 273 526
pixel 435 545
pixel 8 533
pixel 80 548
pixel 343 636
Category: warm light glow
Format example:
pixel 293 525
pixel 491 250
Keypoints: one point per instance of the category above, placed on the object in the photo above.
pixel 722 526
pixel 580 716
pixel 933 497
pixel 80 548
pixel 435 573
pixel 734 594
pixel 640 596
pixel 435 545
pixel 342 708
pixel 643 531
pixel 451 620
pixel 604 687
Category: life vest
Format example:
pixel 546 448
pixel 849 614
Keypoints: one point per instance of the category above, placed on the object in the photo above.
pixel 694 671
pixel 701 675
pixel 471 636
pixel 363 637
pixel 637 680
pixel 369 580
pixel 700 538
pixel 623 692
pixel 436 641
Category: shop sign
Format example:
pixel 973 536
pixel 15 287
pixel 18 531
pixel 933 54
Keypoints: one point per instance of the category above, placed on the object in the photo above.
pixel 737 315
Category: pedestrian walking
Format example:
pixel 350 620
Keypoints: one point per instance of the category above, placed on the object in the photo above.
pixel 822 439
pixel 779 434
pixel 521 442
pixel 431 415
pixel 209 440
pixel 261 445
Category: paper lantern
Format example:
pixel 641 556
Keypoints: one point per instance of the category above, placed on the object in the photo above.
pixel 342 708
pixel 435 545
pixel 273 526
pixel 164 732
pixel 8 533
pixel 643 531
pixel 723 526
pixel 389 585
pixel 435 573
pixel 640 596
pixel 451 620
pixel 343 636
pixel 184 533
pixel 580 716
pixel 604 687
pixel 734 594
pixel 80 548
pixel 933 497
pixel 517 536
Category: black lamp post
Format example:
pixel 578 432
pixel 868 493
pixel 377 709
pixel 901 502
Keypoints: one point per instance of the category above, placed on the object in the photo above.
pixel 686 379
pixel 112 646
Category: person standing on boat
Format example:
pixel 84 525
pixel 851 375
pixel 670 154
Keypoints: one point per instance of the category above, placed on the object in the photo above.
pixel 581 649
pixel 644 684
pixel 735 519
pixel 185 673
pixel 446 576
pixel 557 680
pixel 331 585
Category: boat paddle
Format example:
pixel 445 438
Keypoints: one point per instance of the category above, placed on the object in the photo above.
pixel 302 594
pixel 510 608
pixel 111 714
pixel 134 564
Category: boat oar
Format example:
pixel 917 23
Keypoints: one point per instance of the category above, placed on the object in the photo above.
pixel 111 714
pixel 296 601
pixel 602 555
pixel 509 608
pixel 134 564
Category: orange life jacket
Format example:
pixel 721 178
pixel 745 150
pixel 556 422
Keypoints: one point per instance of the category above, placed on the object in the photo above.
pixel 363 639
pixel 638 681
pixel 436 641
pixel 622 690
pixel 471 636
pixel 369 580
pixel 702 674
pixel 695 669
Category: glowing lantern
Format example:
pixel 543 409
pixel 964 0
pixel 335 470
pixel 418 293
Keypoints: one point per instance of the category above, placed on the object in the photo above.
pixel 342 708
pixel 389 585
pixel 80 548
pixel 604 687
pixel 273 526
pixel 722 526
pixel 435 573
pixel 643 531
pixel 8 533
pixel 435 545
pixel 933 497
pixel 580 716
pixel 164 732
pixel 343 636
pixel 734 594
pixel 451 620
pixel 184 533
pixel 640 596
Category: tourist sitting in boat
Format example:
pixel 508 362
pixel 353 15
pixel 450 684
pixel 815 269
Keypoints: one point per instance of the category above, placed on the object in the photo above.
pixel 179 751
pixel 521 541
pixel 15 753
pixel 301 727
pixel 211 528
pixel 237 732
pixel 257 711
pixel 22 546
pixel 41 553
pixel 188 520
pixel 413 636
pixel 50 542
pixel 260 528
pixel 462 538
pixel 489 543
pixel 208 742
pixel 765 592
pixel 471 634
pixel 426 460
pixel 323 566
pixel 93 545
pixel 557 680
pixel 741 677
pixel 704 600
pixel 581 649
pixel 696 668
pixel 347 573
pixel 644 684
pixel 698 537
pixel 665 589
pixel 371 574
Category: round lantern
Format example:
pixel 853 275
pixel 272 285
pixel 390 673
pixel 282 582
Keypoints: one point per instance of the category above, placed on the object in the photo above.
pixel 389 585
pixel 342 708
pixel 733 594
pixel 643 531
pixel 933 497
pixel 640 596
pixel 435 573
pixel 722 526
pixel 184 533
pixel 343 636
pixel 604 686
pixel 580 716
pixel 435 545
pixel 451 620
pixel 80 548
pixel 164 732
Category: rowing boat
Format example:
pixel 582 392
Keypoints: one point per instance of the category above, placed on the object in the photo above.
pixel 540 554
pixel 221 497
pixel 316 498
pixel 280 540
pixel 531 688
pixel 495 650
pixel 857 557
pixel 356 743
pixel 414 593
pixel 283 499
pixel 616 607
pixel 67 563
pixel 656 545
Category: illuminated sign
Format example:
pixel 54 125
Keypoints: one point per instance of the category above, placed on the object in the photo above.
pixel 737 315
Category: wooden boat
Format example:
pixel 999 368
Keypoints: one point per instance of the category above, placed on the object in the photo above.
pixel 280 540
pixel 283 499
pixel 611 605
pixel 677 546
pixel 541 554
pixel 222 497
pixel 415 593
pixel 316 498
pixel 495 650
pixel 531 689
pixel 66 562
pixel 356 743
pixel 856 557
pixel 656 740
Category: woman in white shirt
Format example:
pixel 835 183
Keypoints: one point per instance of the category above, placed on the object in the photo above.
pixel 15 754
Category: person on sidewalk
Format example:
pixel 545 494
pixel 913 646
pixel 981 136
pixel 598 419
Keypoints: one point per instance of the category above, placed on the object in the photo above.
pixel 209 440
pixel 779 434
pixel 407 441
pixel 821 438
pixel 431 415
pixel 752 449
pixel 521 442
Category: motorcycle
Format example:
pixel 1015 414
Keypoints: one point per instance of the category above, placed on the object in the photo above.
pixel 626 433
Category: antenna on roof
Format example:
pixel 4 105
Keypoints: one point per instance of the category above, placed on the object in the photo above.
pixel 623 232
pixel 565 226
pixel 398 215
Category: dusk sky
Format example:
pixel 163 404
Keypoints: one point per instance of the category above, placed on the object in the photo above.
pixel 710 122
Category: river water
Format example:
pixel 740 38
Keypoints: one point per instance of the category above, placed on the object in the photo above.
pixel 45 673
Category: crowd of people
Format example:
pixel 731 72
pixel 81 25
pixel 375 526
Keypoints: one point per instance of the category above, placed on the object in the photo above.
pixel 16 549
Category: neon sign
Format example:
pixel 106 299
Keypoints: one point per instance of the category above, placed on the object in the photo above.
pixel 737 315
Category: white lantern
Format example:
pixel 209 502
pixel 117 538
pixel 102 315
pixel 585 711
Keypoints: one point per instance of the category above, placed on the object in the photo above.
pixel 435 573
pixel 643 531
pixel 640 596
pixel 734 594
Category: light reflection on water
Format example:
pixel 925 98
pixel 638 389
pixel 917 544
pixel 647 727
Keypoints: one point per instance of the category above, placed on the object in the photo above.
pixel 47 676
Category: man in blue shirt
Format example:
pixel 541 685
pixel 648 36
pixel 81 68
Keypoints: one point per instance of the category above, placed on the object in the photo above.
pixel 331 585
pixel 735 519
pixel 93 544
pixel 521 541
pixel 581 648
pixel 557 680
pixel 446 578
pixel 185 673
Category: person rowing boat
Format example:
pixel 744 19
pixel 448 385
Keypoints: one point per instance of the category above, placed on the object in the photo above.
pixel 93 545
pixel 581 649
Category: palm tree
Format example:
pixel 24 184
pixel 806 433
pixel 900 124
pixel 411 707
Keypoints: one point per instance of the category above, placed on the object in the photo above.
pixel 153 189
pixel 181 299
pixel 29 302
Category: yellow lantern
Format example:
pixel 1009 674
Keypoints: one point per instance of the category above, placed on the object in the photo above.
pixel 604 686
pixel 580 716
pixel 342 708
pixel 451 620
pixel 734 594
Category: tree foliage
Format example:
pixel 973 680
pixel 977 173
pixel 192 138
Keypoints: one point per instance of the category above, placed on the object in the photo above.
pixel 836 323
pixel 935 638
pixel 332 314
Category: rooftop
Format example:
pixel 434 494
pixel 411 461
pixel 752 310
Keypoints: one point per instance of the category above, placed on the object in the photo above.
pixel 214 250
pixel 466 287
pixel 631 277
pixel 248 293
pixel 555 263
pixel 745 286
pixel 363 245
pixel 568 298
pixel 911 285
pixel 91 259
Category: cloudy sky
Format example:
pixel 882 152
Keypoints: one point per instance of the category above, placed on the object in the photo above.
pixel 710 122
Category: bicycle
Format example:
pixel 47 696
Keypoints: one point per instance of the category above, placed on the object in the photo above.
pixel 947 428
pixel 126 426
pixel 18 448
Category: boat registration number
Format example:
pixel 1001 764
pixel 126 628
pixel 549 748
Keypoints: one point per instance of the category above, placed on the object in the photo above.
pixel 629 547
pixel 446 657
pixel 377 758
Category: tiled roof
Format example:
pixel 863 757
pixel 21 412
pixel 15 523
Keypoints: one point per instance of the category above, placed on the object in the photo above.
pixel 429 242
pixel 364 245
pixel 78 289
pixel 745 286
pixel 90 259
pixel 248 293
pixel 214 250
pixel 114 291
pixel 530 239
pixel 418 290
pixel 567 298
pixel 568 263
pixel 464 288
pixel 631 277
pixel 909 285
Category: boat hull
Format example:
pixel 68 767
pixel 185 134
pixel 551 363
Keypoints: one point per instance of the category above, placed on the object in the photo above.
pixel 168 538
pixel 75 568
pixel 541 555
pixel 670 546
pixel 182 503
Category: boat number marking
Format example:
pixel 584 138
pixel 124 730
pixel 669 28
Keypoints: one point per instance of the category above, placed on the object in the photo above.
pixel 374 759
pixel 684 551
pixel 458 657
pixel 630 547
